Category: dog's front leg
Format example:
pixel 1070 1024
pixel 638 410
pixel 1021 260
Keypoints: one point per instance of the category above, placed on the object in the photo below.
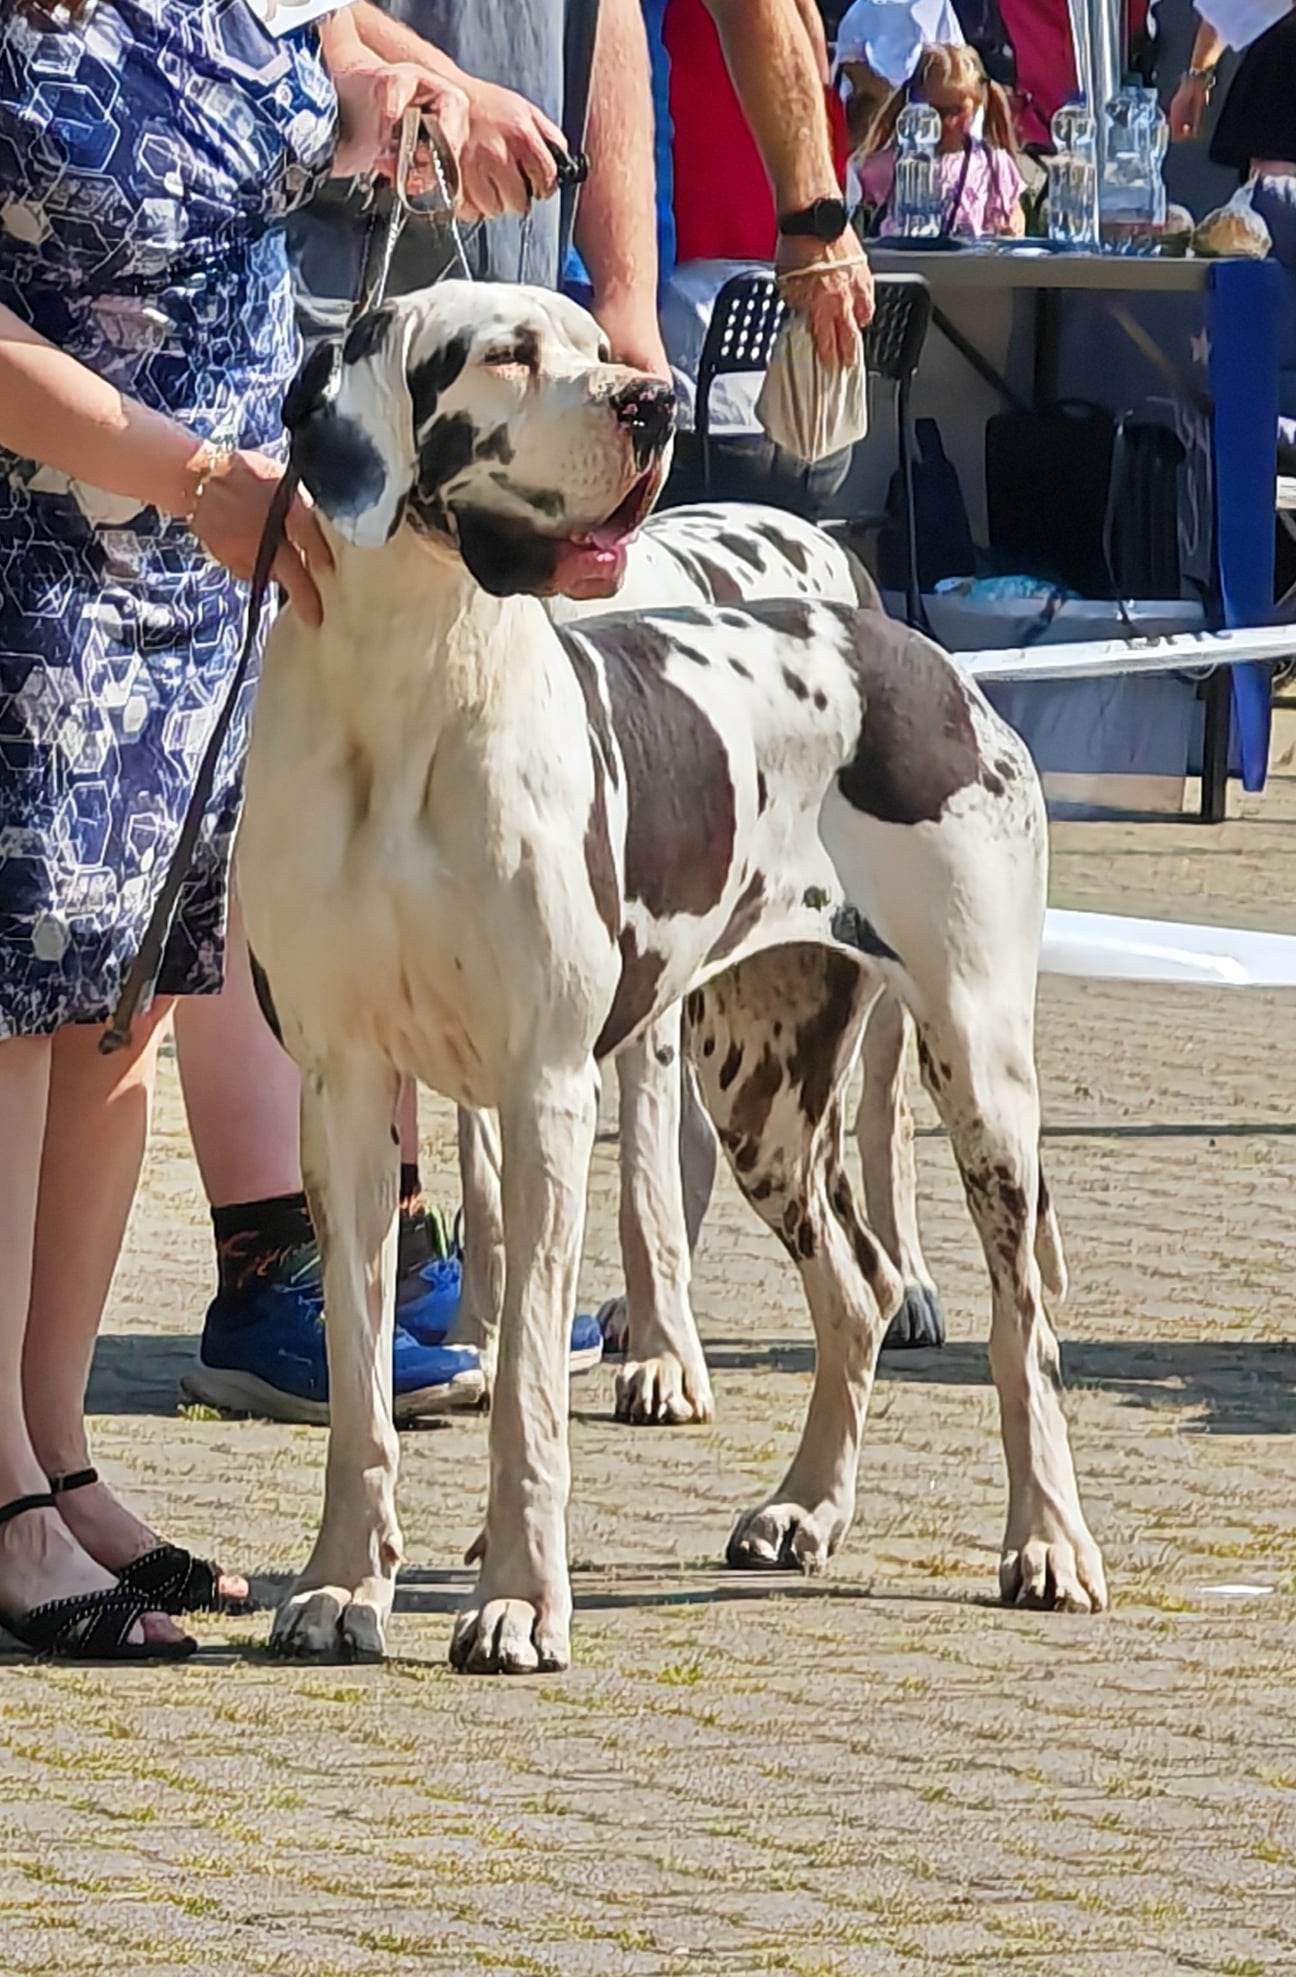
pixel 350 1164
pixel 519 1618
pixel 664 1380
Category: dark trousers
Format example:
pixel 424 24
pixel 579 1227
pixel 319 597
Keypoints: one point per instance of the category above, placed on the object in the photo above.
pixel 749 467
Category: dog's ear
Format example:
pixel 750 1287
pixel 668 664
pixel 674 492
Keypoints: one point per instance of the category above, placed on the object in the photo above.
pixel 350 417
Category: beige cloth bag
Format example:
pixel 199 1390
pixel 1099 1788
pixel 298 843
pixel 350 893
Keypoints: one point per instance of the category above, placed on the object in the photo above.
pixel 807 407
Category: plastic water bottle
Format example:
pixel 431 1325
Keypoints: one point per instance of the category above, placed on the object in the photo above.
pixel 918 205
pixel 1132 191
pixel 1073 178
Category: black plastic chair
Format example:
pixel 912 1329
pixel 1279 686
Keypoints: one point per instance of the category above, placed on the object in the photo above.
pixel 745 322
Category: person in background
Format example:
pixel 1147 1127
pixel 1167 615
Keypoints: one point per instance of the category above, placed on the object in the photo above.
pixel 980 177
pixel 1255 134
pixel 748 85
pixel 149 155
pixel 878 46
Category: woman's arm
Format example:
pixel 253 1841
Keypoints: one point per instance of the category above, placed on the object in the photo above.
pixel 1188 105
pixel 56 412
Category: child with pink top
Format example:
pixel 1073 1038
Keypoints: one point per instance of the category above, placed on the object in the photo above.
pixel 978 150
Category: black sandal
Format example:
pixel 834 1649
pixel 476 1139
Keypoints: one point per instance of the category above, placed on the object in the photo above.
pixel 168 1578
pixel 86 1626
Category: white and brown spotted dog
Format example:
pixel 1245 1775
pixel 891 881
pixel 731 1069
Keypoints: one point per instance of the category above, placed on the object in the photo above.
pixel 489 853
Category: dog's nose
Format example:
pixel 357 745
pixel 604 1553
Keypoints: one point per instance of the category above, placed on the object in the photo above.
pixel 647 407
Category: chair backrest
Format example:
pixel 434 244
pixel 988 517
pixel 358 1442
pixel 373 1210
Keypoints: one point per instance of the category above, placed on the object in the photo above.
pixel 894 339
pixel 745 321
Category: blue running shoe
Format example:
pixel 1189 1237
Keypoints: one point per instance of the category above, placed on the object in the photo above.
pixel 428 1299
pixel 262 1353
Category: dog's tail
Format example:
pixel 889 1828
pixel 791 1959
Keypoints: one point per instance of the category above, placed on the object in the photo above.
pixel 1048 1244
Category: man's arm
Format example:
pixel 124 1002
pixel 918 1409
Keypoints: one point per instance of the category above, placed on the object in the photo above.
pixel 775 72
pixel 506 157
pixel 616 217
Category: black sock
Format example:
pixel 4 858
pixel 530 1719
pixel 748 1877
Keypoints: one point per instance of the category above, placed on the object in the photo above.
pixel 411 1185
pixel 252 1235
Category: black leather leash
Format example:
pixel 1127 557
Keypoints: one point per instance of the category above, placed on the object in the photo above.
pixel 389 207
pixel 383 223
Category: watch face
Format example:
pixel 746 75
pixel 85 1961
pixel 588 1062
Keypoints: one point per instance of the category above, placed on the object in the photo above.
pixel 829 219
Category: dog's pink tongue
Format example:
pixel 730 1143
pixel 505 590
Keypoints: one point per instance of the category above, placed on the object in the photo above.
pixel 590 568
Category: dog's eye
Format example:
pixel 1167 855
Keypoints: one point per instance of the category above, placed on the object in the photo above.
pixel 604 351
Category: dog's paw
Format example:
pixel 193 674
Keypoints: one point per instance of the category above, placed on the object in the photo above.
pixel 328 1623
pixel 920 1321
pixel 785 1537
pixel 1054 1570
pixel 663 1393
pixel 615 1323
pixel 509 1637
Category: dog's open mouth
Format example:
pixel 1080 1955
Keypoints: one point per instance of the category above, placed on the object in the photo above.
pixel 592 564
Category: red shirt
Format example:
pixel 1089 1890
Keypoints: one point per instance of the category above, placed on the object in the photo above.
pixel 1040 32
pixel 724 209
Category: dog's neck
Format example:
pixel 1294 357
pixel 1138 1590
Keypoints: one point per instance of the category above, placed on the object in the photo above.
pixel 407 627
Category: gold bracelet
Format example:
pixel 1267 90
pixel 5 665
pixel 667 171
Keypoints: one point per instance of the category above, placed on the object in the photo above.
pixel 211 460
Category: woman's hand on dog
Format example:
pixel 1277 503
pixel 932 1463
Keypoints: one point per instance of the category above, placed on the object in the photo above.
pixel 229 517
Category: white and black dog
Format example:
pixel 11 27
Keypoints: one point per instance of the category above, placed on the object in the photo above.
pixel 488 853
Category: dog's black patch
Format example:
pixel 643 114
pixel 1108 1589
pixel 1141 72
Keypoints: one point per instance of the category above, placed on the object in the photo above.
pixel 736 666
pixel 762 793
pixel 265 1001
pixel 545 500
pixel 507 557
pixel 790 617
pixel 820 699
pixel 851 928
pixel 447 447
pixel 814 1062
pixel 736 620
pixel 434 374
pixel 917 746
pixel 731 1067
pixel 742 547
pixel 636 996
pixel 524 349
pixel 496 446
pixel 688 614
pixel 367 335
pixel 746 912
pixel 338 463
pixel 680 831
pixel 312 388
pixel 750 1110
pixel 787 545
pixel 721 586
pixel 795 684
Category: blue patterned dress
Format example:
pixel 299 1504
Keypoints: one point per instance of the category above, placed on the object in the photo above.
pixel 147 158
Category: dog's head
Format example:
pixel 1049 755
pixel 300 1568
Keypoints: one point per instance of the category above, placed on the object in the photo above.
pixel 490 420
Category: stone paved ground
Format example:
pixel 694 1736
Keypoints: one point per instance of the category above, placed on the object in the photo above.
pixel 877 1773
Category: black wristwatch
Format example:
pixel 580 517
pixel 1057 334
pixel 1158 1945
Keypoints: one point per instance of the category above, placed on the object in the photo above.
pixel 826 219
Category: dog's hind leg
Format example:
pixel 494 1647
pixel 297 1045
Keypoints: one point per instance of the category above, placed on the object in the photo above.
pixel 664 1380
pixel 960 902
pixel 774 1040
pixel 482 1296
pixel 884 1130
pixel 519 1615
pixel 350 1163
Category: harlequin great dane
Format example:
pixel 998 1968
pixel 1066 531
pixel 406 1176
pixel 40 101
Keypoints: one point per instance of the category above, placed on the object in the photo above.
pixel 487 853
pixel 723 555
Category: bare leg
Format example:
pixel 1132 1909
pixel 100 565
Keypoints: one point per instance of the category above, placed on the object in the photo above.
pixel 664 1379
pixel 85 1152
pixel 241 1089
pixel 341 1602
pixel 778 1108
pixel 884 1130
pixel 519 1616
